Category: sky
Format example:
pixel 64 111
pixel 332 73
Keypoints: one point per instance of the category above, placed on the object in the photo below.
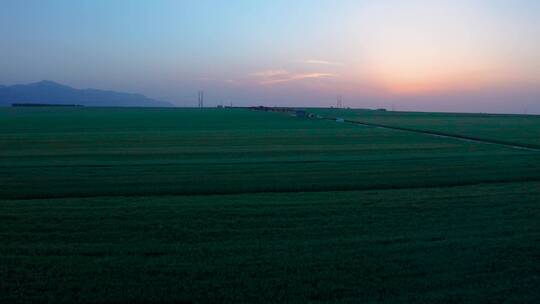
pixel 432 55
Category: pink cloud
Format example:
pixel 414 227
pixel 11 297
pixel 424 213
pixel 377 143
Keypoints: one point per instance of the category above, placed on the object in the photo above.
pixel 281 76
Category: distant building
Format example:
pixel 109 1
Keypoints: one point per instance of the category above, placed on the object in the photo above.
pixel 300 113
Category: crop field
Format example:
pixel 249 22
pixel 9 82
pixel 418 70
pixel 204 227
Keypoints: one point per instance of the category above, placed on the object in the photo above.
pixel 237 206
pixel 519 129
pixel 100 152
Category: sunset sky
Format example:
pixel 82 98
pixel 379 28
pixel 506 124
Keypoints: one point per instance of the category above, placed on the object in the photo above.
pixel 467 56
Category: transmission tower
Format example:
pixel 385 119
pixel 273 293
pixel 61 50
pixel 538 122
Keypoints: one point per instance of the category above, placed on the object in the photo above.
pixel 200 99
pixel 339 102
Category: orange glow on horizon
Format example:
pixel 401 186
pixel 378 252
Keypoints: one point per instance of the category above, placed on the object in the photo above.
pixel 410 85
pixel 412 76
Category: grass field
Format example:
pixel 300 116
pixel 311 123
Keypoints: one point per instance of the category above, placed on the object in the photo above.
pixel 178 205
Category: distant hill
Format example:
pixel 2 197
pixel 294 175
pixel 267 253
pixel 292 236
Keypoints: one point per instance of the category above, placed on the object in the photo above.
pixel 49 92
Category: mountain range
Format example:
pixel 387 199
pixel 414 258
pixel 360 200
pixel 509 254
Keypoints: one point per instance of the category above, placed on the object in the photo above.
pixel 49 92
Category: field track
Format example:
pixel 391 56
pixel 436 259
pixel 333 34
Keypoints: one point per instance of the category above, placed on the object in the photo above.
pixel 529 147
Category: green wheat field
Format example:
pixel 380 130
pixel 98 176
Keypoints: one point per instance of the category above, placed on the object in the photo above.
pixel 108 205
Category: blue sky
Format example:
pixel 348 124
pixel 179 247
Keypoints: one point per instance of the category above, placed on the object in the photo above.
pixel 416 55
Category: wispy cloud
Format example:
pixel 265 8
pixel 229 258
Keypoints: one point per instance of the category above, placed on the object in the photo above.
pixel 203 78
pixel 271 73
pixel 321 62
pixel 281 75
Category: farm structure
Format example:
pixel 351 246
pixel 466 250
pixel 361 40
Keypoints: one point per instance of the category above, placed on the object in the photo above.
pixel 300 113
